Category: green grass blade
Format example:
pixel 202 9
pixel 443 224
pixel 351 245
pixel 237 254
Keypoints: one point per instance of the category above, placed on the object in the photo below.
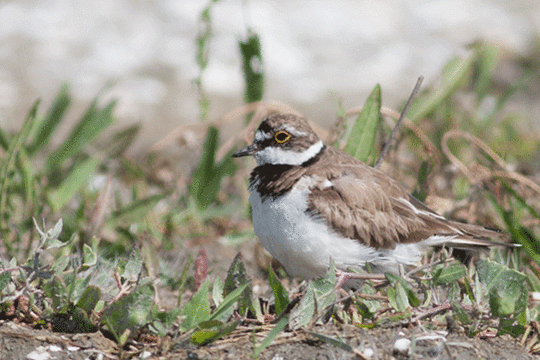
pixel 26 169
pixel 486 61
pixel 92 123
pixel 520 234
pixel 331 341
pixel 203 43
pixel 522 201
pixel 452 78
pixel 227 303
pixel 203 173
pixel 9 161
pixel 137 209
pixel 77 178
pixel 280 326
pixel 252 68
pixel 208 175
pixel 364 132
pixel 51 121
pixel 4 143
pixel 280 294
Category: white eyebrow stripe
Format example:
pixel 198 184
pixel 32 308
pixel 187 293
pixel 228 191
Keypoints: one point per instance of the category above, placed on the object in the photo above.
pixel 293 131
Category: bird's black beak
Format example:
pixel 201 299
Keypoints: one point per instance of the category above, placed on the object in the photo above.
pixel 250 150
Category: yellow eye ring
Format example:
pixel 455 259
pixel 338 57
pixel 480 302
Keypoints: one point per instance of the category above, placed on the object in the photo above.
pixel 282 137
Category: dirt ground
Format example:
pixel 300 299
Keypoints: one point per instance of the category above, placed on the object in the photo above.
pixel 19 341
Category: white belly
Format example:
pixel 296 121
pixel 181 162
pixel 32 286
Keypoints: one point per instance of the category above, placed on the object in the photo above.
pixel 304 245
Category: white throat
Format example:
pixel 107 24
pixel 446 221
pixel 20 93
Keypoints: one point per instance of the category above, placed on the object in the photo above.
pixel 278 156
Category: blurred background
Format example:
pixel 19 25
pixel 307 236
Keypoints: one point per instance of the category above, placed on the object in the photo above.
pixel 314 53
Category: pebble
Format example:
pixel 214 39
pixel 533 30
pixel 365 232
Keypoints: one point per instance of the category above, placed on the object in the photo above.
pixel 402 345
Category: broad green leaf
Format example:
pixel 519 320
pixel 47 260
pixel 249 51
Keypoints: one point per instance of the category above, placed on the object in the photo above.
pixel 89 299
pixel 197 309
pixel 449 275
pixel 217 291
pixel 402 300
pixel 89 257
pixel 208 334
pixel 302 314
pixel 363 309
pixel 49 123
pixel 5 278
pixel 412 298
pixel 460 313
pixel 510 326
pixel 163 320
pixel 129 312
pixel 454 291
pixel 94 121
pixel 236 277
pixel 54 233
pixel 133 267
pixel 319 295
pixel 61 264
pixel 372 305
pixel 367 308
pixel 76 286
pixel 57 291
pixel 55 243
pixel 507 288
pixel 280 294
pixel 77 178
pixel 280 326
pixel 361 141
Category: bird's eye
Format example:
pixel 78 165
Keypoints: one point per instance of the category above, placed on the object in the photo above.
pixel 282 137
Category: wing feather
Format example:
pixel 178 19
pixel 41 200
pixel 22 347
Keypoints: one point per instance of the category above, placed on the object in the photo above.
pixel 364 204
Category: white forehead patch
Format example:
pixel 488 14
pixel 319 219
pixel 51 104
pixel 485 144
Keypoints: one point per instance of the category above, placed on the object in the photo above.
pixel 276 155
pixel 261 136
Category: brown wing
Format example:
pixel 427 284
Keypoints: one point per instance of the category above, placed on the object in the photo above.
pixel 364 204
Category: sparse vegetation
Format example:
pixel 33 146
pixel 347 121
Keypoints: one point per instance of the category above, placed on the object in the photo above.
pixel 103 267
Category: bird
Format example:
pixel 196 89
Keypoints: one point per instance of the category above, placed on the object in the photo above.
pixel 313 204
